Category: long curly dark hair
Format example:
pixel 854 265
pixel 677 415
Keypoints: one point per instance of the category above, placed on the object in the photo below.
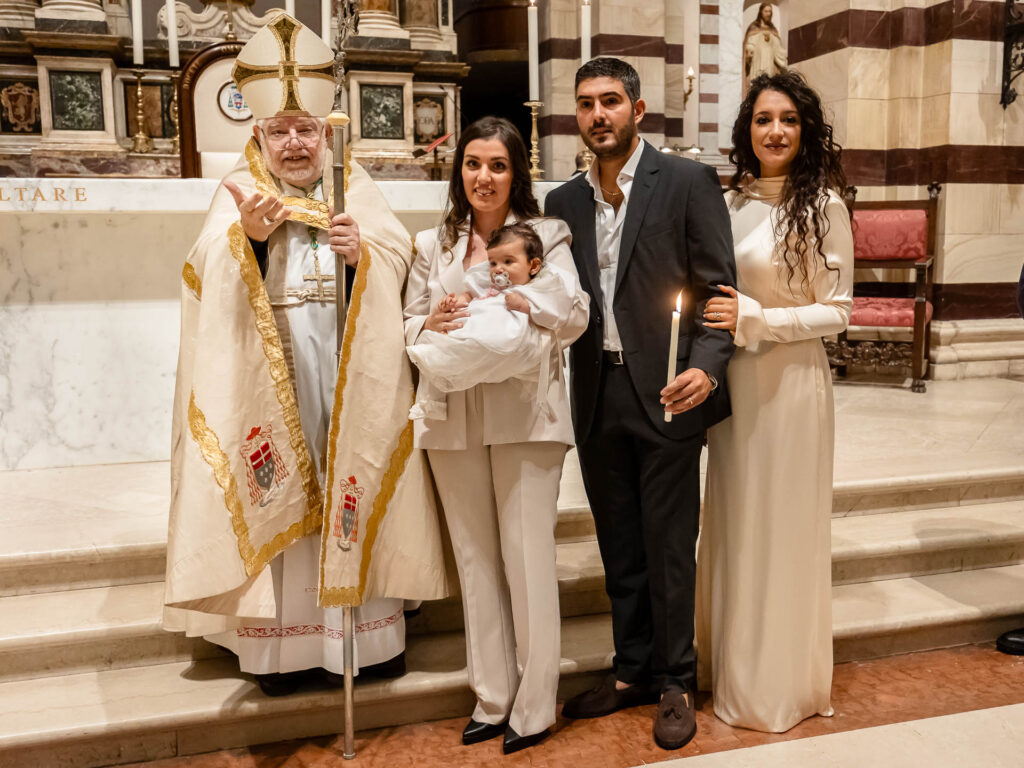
pixel 522 203
pixel 800 221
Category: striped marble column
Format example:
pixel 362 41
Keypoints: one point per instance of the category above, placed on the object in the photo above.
pixel 914 94
pixel 559 55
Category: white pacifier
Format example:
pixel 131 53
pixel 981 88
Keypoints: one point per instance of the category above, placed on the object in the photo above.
pixel 500 279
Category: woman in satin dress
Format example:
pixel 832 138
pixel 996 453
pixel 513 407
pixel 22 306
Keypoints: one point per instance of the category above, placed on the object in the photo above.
pixel 764 614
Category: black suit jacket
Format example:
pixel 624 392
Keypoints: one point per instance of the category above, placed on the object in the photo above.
pixel 676 237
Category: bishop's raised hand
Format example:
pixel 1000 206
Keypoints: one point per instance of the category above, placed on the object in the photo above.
pixel 260 215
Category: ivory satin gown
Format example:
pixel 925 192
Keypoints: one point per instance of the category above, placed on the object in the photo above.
pixel 764 598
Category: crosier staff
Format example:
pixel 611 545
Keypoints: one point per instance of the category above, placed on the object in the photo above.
pixel 348 24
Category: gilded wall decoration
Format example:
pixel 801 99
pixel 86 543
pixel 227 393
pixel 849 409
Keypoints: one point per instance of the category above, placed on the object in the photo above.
pixel 20 103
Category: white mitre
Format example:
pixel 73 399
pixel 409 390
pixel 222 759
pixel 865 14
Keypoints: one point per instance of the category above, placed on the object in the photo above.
pixel 286 70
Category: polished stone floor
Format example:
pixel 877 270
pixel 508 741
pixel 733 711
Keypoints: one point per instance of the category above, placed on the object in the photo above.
pixel 899 689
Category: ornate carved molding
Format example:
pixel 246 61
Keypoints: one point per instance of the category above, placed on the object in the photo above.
pixel 877 354
pixel 211 24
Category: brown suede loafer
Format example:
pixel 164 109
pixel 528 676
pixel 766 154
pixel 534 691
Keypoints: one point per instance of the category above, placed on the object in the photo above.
pixel 675 725
pixel 605 699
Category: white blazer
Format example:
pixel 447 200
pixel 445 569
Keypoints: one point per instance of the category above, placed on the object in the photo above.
pixel 507 417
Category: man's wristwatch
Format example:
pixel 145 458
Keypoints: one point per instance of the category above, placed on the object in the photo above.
pixel 713 380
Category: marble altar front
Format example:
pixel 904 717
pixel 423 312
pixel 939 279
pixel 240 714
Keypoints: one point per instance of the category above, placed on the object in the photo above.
pixel 90 274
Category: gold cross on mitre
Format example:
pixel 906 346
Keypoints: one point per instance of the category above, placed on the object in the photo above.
pixel 319 278
pixel 285 70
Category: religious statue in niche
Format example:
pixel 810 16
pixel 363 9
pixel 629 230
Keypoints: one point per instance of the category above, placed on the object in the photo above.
pixel 428 114
pixel 762 47
pixel 21 103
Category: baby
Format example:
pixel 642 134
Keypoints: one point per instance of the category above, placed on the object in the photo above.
pixel 511 306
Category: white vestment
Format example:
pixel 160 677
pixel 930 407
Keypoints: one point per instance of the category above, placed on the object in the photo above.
pixel 304 635
pixel 495 343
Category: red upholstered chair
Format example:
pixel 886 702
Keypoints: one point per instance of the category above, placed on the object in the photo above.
pixel 893 234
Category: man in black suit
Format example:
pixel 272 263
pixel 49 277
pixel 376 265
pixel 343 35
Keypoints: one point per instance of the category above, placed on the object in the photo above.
pixel 646 227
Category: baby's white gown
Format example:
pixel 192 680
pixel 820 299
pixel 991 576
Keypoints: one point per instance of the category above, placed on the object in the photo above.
pixel 495 343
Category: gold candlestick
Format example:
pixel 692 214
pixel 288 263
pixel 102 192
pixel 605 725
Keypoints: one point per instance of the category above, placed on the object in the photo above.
pixel 176 141
pixel 536 172
pixel 141 142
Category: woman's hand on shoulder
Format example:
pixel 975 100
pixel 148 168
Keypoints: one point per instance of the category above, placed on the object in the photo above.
pixel 447 315
pixel 723 311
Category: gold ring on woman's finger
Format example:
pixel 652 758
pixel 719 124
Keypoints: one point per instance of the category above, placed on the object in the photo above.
pixel 718 316
pixel 690 401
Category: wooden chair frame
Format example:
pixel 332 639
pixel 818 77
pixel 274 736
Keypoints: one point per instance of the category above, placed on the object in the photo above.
pixel 923 281
pixel 191 163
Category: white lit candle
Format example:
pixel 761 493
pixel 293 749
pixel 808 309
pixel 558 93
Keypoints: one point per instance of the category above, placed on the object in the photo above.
pixel 137 32
pixel 172 34
pixel 325 22
pixel 531 22
pixel 585 32
pixel 673 345
pixel 289 7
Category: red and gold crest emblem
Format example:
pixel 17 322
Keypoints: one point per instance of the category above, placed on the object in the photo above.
pixel 265 469
pixel 346 519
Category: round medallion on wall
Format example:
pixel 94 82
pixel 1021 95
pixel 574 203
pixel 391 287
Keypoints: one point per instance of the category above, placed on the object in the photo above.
pixel 231 103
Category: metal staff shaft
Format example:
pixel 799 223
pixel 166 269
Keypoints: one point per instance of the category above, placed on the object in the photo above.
pixel 338 120
pixel 347 24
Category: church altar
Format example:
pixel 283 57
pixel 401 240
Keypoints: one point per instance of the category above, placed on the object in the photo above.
pixel 90 278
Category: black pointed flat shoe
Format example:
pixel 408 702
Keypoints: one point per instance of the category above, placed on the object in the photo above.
pixel 513 742
pixel 475 732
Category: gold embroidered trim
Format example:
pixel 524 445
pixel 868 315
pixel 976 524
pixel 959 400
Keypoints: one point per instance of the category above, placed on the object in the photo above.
pixel 301 209
pixel 336 596
pixel 213 454
pixel 272 348
pixel 396 467
pixel 188 274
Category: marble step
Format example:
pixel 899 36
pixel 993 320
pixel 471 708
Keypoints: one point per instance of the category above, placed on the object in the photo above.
pixel 68 632
pixel 110 627
pixel 882 618
pixel 86 630
pixel 127 715
pixel 926 541
pixel 94 526
pixel 79 527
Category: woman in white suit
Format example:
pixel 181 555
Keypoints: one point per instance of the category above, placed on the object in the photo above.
pixel 497 458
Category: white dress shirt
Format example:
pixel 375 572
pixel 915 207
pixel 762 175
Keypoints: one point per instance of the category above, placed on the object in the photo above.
pixel 608 229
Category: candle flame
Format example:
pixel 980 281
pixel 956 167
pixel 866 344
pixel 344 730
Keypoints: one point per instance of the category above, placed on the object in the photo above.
pixel 679 302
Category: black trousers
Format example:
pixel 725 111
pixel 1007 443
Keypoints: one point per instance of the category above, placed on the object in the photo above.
pixel 644 491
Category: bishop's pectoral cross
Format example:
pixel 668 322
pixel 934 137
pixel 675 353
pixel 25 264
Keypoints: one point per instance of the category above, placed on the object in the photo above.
pixel 319 278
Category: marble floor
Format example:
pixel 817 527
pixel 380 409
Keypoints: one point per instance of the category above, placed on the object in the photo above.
pixel 903 693
pixel 928 551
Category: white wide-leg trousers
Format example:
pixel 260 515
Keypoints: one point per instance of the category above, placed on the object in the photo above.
pixel 500 506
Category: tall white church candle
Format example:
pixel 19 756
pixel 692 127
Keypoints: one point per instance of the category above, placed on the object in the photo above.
pixel 673 345
pixel 585 32
pixel 172 34
pixel 531 22
pixel 137 32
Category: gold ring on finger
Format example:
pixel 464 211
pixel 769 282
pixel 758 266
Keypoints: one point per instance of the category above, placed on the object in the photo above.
pixel 718 316
pixel 690 401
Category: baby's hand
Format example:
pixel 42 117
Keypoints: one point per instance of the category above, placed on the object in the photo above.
pixel 517 303
pixel 490 292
